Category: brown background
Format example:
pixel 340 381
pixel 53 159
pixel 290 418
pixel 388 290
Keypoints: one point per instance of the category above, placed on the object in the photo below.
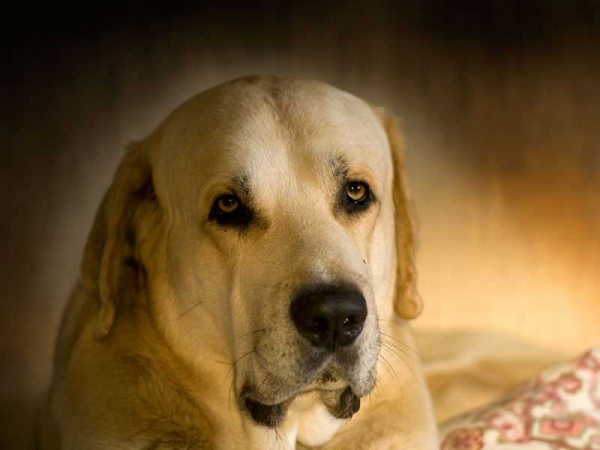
pixel 500 103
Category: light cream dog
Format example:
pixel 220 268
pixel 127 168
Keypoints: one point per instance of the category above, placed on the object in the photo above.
pixel 247 285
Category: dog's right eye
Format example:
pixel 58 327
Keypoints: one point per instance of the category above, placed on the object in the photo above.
pixel 228 210
pixel 226 204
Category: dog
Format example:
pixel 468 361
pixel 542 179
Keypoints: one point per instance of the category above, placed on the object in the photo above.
pixel 248 284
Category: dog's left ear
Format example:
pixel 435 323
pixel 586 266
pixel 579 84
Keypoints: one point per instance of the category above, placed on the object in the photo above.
pixel 408 304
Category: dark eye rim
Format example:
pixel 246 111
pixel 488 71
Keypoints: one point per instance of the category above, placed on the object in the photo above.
pixel 239 217
pixel 357 206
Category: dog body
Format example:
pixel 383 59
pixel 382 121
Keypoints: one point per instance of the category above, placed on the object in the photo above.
pixel 247 284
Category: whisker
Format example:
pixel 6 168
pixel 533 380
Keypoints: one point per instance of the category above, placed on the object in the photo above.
pixel 398 340
pixel 374 378
pixel 390 346
pixel 239 359
pixel 248 334
pixel 391 370
pixel 418 379
pixel 378 277
pixel 386 367
pixel 278 435
pixel 243 356
pixel 229 373
pixel 198 303
pixel 276 438
pixel 404 344
pixel 384 346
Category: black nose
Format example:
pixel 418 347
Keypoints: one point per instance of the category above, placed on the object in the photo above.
pixel 329 316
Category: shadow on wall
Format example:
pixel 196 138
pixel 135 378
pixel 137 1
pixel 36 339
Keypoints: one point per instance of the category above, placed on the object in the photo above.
pixel 500 107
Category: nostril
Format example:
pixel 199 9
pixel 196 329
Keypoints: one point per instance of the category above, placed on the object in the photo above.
pixel 317 330
pixel 352 320
pixel 350 328
pixel 318 325
pixel 351 323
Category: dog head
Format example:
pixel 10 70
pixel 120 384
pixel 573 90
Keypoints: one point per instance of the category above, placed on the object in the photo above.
pixel 265 224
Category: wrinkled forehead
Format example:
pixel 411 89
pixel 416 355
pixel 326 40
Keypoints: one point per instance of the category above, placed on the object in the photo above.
pixel 268 130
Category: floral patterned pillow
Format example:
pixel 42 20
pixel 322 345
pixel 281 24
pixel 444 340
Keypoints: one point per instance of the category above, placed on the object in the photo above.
pixel 558 410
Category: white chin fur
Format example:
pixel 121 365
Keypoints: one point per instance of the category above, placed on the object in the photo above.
pixel 315 425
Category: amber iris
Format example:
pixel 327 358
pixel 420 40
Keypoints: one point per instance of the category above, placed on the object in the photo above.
pixel 228 204
pixel 357 191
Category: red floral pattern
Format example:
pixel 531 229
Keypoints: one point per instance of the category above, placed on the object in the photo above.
pixel 464 439
pixel 558 410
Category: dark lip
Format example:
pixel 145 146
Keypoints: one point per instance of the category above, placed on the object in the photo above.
pixel 347 404
pixel 270 416
pixel 341 404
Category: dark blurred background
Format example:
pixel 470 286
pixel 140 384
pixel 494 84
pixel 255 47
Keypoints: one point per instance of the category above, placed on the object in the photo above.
pixel 500 103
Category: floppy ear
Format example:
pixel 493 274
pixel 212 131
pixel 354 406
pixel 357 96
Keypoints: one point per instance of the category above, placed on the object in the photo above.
pixel 408 303
pixel 110 249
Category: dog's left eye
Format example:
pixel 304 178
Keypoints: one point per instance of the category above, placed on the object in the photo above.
pixel 356 196
pixel 228 210
pixel 357 192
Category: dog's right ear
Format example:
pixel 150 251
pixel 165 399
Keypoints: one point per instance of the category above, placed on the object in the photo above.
pixel 111 243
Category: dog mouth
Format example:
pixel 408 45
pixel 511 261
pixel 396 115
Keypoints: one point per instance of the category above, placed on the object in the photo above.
pixel 338 396
pixel 341 404
pixel 338 380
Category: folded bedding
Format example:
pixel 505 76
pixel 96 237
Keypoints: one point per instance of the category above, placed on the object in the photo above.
pixel 559 409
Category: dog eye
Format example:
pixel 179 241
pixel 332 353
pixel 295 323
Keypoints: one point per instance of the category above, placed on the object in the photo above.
pixel 357 192
pixel 227 204
pixel 228 210
pixel 356 197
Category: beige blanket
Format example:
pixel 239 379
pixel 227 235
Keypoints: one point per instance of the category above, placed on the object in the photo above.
pixel 466 369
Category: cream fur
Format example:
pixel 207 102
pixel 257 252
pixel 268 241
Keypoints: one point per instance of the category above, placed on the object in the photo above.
pixel 172 315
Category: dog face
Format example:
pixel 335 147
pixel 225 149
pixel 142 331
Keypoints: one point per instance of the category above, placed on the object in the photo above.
pixel 263 219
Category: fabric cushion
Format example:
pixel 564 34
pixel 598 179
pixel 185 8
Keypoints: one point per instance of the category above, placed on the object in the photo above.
pixel 558 410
